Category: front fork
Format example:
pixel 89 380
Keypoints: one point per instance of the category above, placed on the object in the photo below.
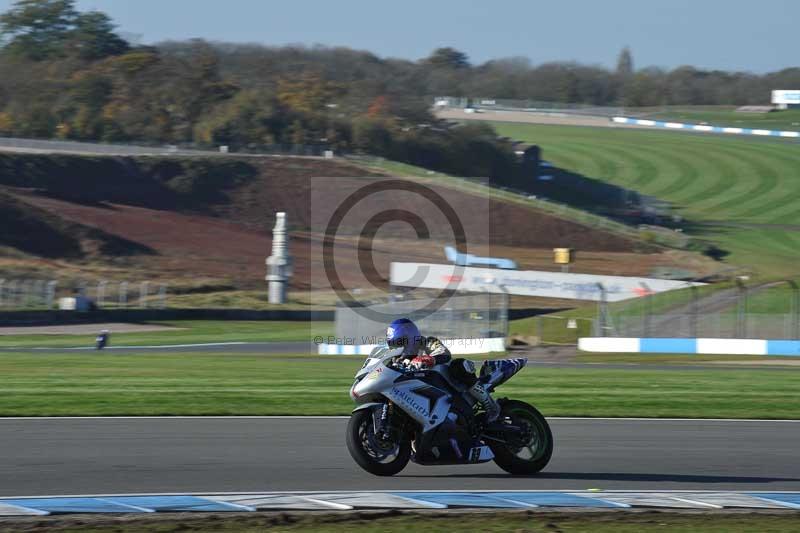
pixel 380 420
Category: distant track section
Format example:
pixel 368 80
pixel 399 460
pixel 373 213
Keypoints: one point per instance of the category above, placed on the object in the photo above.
pixel 529 117
pixel 39 146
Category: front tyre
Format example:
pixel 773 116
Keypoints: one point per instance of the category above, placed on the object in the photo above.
pixel 527 453
pixel 376 455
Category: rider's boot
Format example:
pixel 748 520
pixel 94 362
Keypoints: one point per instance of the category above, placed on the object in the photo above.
pixel 479 392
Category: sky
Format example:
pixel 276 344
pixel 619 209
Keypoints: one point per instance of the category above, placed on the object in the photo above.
pixel 743 35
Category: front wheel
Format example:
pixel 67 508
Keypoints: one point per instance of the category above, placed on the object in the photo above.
pixel 529 452
pixel 373 453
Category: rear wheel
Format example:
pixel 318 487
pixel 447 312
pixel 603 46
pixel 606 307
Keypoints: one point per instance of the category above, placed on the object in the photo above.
pixel 529 452
pixel 376 454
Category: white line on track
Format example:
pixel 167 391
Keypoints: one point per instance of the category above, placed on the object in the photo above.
pixel 334 417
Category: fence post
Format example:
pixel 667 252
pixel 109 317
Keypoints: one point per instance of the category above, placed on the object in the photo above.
pixel 694 313
pixel 795 309
pixel 38 292
pixel 602 309
pixel 162 296
pixel 647 309
pixel 12 293
pixel 144 288
pixel 101 293
pixel 123 294
pixel 51 293
pixel 25 289
pixel 504 313
pixel 539 329
pixel 741 309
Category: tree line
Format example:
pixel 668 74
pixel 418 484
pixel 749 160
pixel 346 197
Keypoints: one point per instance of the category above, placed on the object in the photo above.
pixel 68 74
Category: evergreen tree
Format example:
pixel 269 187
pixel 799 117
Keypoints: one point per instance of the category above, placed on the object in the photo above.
pixel 625 63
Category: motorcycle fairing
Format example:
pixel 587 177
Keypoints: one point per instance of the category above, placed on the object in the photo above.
pixel 425 403
pixel 495 372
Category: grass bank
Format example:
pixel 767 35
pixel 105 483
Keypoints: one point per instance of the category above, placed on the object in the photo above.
pixel 741 194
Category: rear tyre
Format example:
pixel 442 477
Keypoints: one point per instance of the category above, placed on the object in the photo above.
pixel 529 453
pixel 376 455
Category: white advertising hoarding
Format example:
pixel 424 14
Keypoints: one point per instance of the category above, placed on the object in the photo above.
pixel 528 282
pixel 784 96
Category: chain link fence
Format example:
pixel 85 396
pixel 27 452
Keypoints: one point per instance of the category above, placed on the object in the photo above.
pixel 38 294
pixel 478 315
pixel 733 310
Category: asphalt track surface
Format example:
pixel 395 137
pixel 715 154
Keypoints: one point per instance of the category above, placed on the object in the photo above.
pixel 216 454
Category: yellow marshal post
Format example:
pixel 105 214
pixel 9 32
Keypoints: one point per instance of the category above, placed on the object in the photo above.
pixel 563 257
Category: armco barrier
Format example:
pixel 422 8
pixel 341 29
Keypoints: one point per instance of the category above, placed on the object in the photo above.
pixel 690 346
pixel 704 128
pixel 456 346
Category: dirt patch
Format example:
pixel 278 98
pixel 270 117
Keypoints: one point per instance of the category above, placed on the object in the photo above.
pixel 83 329
pixel 229 240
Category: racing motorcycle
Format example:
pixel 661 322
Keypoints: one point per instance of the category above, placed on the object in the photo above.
pixel 425 416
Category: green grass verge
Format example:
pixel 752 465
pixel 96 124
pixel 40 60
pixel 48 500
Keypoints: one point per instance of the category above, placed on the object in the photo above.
pixel 393 521
pixel 233 384
pixel 192 332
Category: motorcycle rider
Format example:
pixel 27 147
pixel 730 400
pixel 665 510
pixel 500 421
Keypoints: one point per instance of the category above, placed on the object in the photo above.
pixel 425 352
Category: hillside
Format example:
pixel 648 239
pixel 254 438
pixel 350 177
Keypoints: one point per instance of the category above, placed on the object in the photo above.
pixel 190 219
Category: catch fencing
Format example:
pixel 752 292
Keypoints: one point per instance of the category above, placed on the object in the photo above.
pixel 729 310
pixel 468 316
pixel 38 294
pixel 505 104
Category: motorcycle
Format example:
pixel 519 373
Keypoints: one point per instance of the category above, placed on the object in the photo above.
pixel 101 341
pixel 405 414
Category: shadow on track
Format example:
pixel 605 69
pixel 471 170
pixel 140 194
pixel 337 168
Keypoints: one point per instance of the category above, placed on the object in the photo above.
pixel 609 476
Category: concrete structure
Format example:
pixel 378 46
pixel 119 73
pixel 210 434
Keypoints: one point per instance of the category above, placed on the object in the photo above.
pixel 279 264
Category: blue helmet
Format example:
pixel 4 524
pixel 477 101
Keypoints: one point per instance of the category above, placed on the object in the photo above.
pixel 403 332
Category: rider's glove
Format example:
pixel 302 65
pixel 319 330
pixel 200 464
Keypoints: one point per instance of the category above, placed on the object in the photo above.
pixel 422 361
